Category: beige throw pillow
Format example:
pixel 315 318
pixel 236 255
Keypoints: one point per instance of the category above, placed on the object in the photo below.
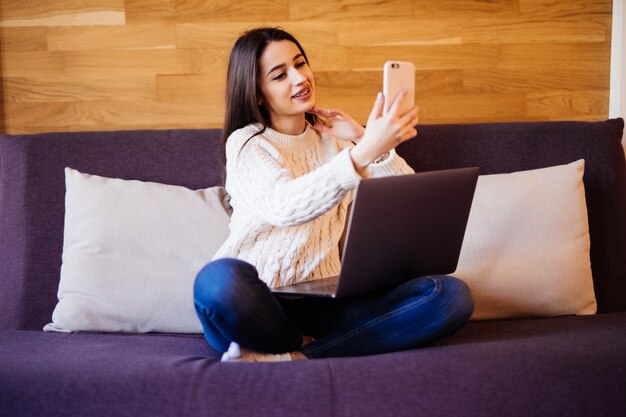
pixel 526 248
pixel 131 253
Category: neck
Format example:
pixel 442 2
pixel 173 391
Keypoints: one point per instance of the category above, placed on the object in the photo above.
pixel 290 125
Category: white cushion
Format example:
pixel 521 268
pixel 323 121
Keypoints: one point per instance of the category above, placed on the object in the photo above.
pixel 526 248
pixel 131 253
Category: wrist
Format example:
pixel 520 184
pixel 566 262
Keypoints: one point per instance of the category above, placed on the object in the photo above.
pixel 381 158
pixel 359 160
pixel 356 140
pixel 359 135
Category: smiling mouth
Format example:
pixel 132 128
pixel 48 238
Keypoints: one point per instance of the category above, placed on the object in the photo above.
pixel 301 93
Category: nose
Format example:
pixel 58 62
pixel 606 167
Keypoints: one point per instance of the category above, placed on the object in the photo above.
pixel 296 76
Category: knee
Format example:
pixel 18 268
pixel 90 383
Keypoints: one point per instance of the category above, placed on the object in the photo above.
pixel 456 297
pixel 217 281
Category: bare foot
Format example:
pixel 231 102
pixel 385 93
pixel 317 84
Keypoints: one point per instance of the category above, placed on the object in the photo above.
pixel 297 356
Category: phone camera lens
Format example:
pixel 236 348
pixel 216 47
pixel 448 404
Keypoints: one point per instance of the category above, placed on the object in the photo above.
pixel 394 65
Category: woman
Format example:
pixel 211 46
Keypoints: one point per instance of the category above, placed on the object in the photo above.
pixel 290 178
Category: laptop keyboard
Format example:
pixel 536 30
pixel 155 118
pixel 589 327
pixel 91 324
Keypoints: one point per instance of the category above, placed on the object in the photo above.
pixel 320 286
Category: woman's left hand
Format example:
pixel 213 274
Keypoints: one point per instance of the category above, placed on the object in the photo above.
pixel 342 126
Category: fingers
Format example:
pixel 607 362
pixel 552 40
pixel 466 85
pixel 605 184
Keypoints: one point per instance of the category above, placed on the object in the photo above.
pixel 405 125
pixel 328 113
pixel 411 133
pixel 318 111
pixel 408 121
pixel 378 108
pixel 417 116
pixel 395 105
pixel 410 130
pixel 321 127
pixel 411 117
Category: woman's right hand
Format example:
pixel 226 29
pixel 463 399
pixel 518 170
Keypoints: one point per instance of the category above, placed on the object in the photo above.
pixel 383 133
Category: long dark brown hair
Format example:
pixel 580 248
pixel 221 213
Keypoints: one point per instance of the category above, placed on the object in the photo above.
pixel 242 81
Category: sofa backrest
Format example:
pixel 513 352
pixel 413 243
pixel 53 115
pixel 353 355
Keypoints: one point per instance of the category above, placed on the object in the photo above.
pixel 32 199
pixel 32 189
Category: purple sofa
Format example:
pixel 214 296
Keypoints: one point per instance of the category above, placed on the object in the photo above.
pixel 562 366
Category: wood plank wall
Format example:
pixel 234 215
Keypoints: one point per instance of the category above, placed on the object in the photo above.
pixel 77 65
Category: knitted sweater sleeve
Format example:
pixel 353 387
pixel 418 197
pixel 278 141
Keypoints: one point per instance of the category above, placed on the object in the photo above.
pixel 259 181
pixel 393 165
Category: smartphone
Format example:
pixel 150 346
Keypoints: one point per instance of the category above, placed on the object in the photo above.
pixel 396 76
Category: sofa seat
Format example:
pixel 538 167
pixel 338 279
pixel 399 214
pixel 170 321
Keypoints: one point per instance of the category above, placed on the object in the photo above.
pixel 566 366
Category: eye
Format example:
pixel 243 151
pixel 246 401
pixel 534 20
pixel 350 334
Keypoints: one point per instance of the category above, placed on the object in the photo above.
pixel 279 76
pixel 301 64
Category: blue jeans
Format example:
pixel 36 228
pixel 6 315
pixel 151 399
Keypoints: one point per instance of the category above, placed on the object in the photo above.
pixel 233 304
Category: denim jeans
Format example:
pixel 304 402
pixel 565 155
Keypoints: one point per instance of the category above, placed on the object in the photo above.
pixel 233 304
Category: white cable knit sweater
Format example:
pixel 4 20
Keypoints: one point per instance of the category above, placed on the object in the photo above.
pixel 290 196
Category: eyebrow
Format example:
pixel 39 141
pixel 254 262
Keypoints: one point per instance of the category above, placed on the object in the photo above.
pixel 282 65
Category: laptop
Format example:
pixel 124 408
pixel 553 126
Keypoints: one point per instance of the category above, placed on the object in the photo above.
pixel 400 228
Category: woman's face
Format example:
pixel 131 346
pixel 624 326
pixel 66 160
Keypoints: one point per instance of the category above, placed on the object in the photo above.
pixel 286 81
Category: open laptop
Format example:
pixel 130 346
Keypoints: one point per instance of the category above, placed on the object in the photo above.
pixel 400 228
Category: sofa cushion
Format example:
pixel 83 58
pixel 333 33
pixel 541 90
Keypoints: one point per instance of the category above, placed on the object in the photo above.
pixel 509 147
pixel 526 247
pixel 131 252
pixel 569 366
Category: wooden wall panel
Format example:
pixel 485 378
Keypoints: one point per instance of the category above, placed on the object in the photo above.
pixel 89 38
pixel 61 12
pixel 205 11
pixel 132 64
pixel 23 39
pixel 32 9
pixel 18 64
pixel 567 9
pixel 306 10
pixel 122 63
pixel 66 88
